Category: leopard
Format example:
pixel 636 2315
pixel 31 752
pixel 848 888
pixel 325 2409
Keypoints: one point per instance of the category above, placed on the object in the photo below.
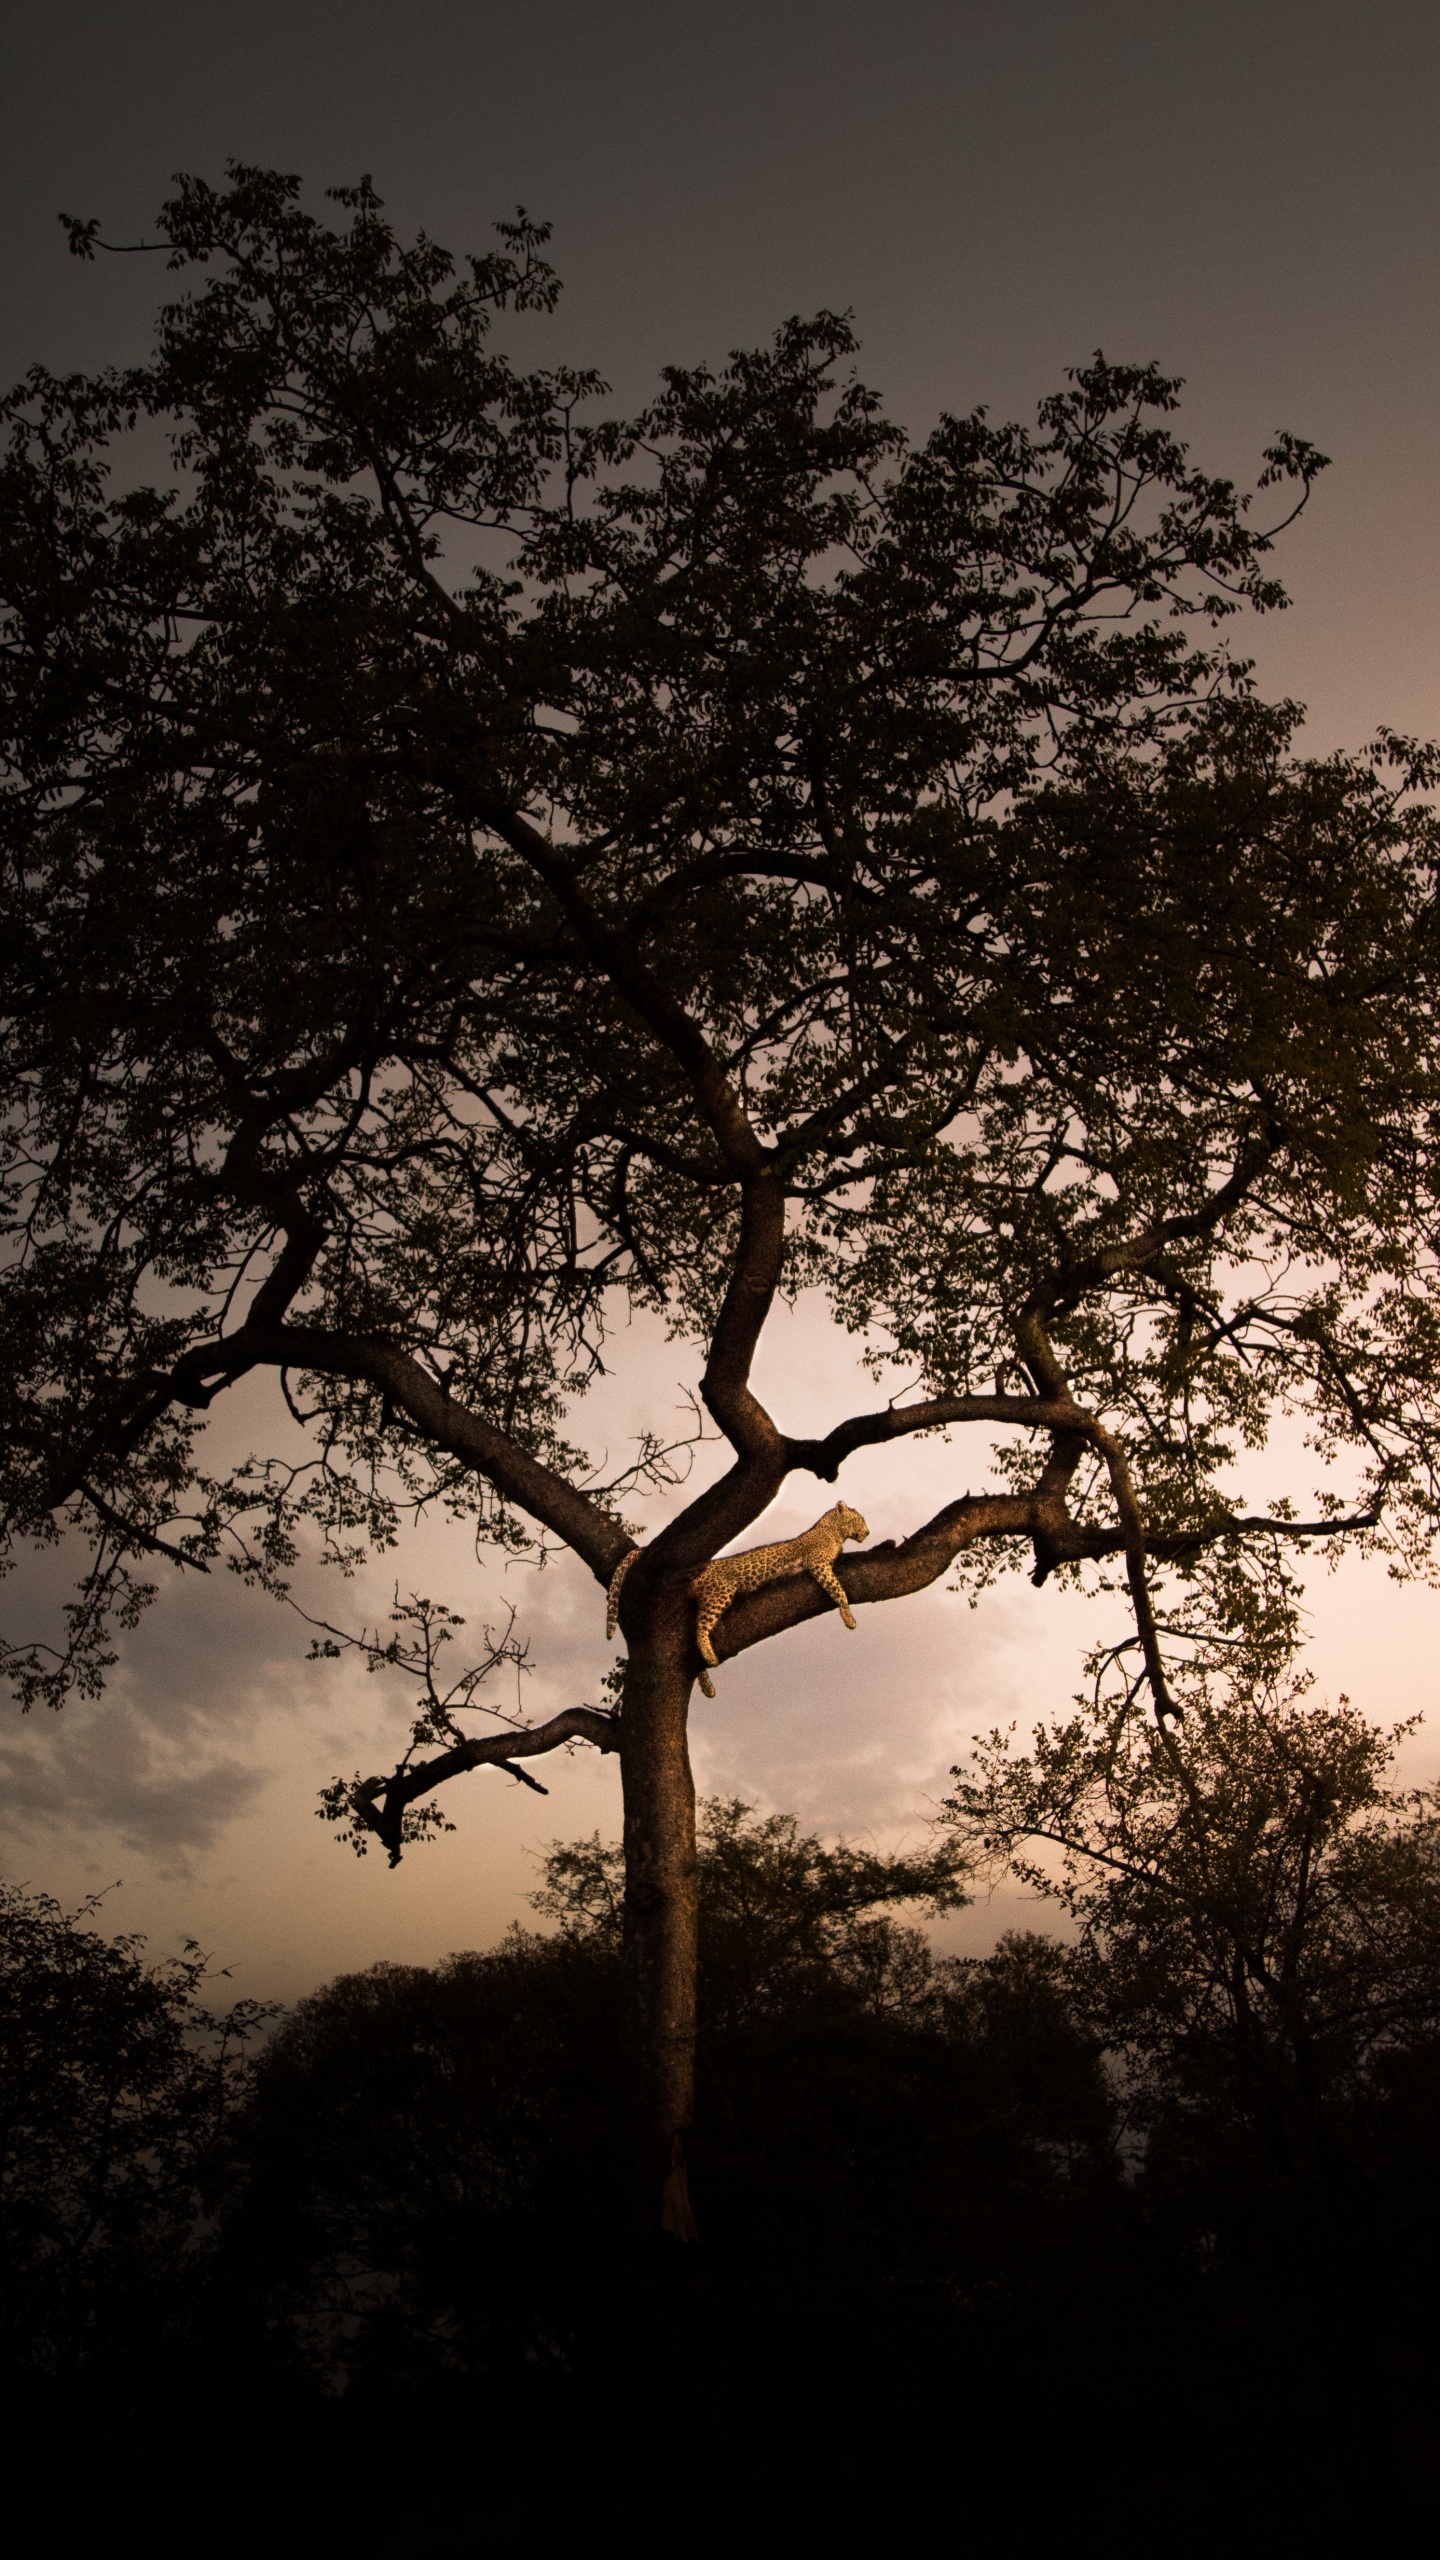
pixel 727 1577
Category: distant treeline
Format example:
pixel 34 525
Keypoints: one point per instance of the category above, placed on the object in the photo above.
pixel 1140 2223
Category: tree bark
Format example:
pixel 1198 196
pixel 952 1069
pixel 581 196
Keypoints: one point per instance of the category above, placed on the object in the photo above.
pixel 662 1898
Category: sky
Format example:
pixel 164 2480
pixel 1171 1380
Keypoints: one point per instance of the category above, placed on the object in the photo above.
pixel 1248 194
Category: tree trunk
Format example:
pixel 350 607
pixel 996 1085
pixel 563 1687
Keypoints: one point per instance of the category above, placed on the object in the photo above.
pixel 661 1902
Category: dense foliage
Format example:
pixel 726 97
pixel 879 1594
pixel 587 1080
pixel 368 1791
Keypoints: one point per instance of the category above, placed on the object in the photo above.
pixel 1258 1912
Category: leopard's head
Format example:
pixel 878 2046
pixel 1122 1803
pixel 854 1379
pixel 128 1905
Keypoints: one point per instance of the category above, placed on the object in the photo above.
pixel 848 1522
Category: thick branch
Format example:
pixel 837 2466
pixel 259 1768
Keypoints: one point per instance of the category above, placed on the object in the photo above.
pixel 723 1510
pixel 884 1573
pixel 755 1277
pixel 533 1487
pixel 1231 1526
pixel 748 1301
pixel 1076 1279
pixel 893 1572
pixel 200 1374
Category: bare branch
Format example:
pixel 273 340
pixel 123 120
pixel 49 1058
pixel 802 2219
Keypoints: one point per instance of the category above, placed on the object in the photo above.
pixel 1133 1531
pixel 380 1803
pixel 131 1533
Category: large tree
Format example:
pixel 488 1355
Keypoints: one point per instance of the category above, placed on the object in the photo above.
pixel 476 868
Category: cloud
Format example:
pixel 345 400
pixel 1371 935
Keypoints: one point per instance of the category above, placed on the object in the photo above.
pixel 166 1758
pixel 109 1771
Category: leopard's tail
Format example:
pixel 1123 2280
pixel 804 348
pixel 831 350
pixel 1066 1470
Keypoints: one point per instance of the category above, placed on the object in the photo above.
pixel 612 1597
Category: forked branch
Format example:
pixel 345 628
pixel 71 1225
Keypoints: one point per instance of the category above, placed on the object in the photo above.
pixel 824 1458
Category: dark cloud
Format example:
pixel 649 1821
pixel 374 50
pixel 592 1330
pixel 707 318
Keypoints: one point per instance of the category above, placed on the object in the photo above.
pixel 105 1770
pixel 164 1761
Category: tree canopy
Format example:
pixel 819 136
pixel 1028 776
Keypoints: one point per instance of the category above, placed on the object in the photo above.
pixel 477 866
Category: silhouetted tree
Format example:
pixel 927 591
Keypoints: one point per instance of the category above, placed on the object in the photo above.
pixel 1259 1914
pixel 425 2166
pixel 930 2260
pixel 1258 1953
pixel 475 868
pixel 785 1922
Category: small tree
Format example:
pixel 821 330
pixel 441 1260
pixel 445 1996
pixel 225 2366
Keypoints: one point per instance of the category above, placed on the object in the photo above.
pixel 1258 1911
pixel 476 868
pixel 785 1923
pixel 115 2084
